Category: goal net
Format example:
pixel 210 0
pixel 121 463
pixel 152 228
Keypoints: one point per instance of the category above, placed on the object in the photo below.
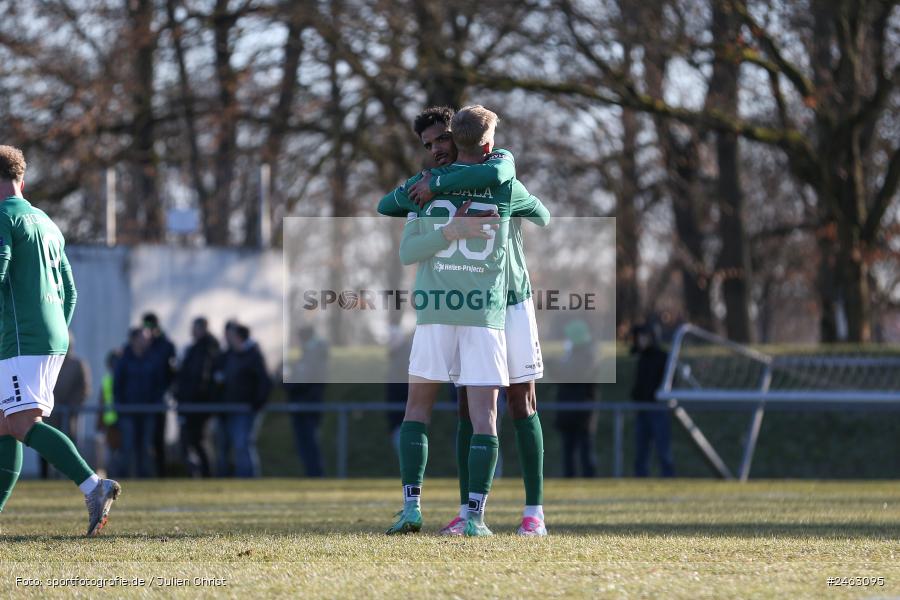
pixel 706 368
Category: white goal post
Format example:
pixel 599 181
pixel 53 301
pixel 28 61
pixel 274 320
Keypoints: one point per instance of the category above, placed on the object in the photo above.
pixel 706 368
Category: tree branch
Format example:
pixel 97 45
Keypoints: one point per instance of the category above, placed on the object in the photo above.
pixel 885 82
pixel 790 140
pixel 804 86
pixel 883 198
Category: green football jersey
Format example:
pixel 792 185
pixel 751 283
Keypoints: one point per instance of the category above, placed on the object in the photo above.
pixel 465 283
pixel 498 168
pixel 38 288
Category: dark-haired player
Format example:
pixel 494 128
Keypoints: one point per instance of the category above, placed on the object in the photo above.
pixel 523 349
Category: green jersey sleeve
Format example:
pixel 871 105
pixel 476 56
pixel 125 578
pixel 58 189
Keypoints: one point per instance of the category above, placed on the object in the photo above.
pixel 397 203
pixel 6 236
pixel 417 245
pixel 499 168
pixel 523 204
pixel 70 295
pixel 539 215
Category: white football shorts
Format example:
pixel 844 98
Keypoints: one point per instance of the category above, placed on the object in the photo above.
pixel 27 382
pixel 464 354
pixel 523 349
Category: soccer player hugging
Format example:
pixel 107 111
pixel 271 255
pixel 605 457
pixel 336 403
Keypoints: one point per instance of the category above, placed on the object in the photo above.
pixel 462 223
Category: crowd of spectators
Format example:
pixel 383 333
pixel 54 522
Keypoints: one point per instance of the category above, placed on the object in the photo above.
pixel 146 374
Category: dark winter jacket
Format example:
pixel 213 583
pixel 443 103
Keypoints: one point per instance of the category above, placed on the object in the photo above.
pixel 573 366
pixel 242 377
pixel 134 381
pixel 194 382
pixel 651 369
pixel 161 355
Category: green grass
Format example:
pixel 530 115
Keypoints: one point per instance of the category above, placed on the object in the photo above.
pixel 293 538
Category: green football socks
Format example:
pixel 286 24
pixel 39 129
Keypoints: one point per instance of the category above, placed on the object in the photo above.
pixel 413 457
pixel 530 442
pixel 10 466
pixel 58 450
pixel 483 452
pixel 463 441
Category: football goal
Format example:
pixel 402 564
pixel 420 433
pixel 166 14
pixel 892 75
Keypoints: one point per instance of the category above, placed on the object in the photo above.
pixel 704 368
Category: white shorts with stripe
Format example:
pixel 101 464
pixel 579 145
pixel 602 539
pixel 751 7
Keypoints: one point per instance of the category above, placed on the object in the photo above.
pixel 463 354
pixel 27 382
pixel 523 349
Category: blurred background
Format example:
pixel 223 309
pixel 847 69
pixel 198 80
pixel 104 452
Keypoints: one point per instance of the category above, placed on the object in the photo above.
pixel 748 150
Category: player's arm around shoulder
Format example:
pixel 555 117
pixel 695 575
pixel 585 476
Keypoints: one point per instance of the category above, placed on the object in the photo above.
pixel 498 168
pixel 418 244
pixel 528 206
pixel 397 202
pixel 421 240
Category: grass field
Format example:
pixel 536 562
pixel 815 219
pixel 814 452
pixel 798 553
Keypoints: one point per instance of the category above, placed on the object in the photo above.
pixel 293 538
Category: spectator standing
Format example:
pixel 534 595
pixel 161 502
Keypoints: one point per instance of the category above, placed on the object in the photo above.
pixel 309 374
pixel 579 427
pixel 161 354
pixel 194 385
pixel 108 440
pixel 242 378
pixel 133 383
pixel 652 426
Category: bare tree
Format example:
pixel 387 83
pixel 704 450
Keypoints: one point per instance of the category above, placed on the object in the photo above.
pixel 828 149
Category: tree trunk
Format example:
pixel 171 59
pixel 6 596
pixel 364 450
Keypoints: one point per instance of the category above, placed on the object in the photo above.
pixel 734 258
pixel 144 198
pixel 216 221
pixel 293 49
pixel 189 109
pixel 628 306
pixel 681 161
pixel 340 200
pixel 840 182
pixel 854 283
pixel 443 85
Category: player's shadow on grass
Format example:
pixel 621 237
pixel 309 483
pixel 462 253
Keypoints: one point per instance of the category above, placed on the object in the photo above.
pixel 747 530
pixel 161 537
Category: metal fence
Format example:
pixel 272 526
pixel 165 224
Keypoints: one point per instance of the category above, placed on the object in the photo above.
pixel 344 409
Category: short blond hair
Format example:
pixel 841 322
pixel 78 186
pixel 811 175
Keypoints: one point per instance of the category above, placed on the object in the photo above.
pixel 12 164
pixel 473 127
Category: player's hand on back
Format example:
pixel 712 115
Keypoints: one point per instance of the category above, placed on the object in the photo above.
pixel 465 225
pixel 420 192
